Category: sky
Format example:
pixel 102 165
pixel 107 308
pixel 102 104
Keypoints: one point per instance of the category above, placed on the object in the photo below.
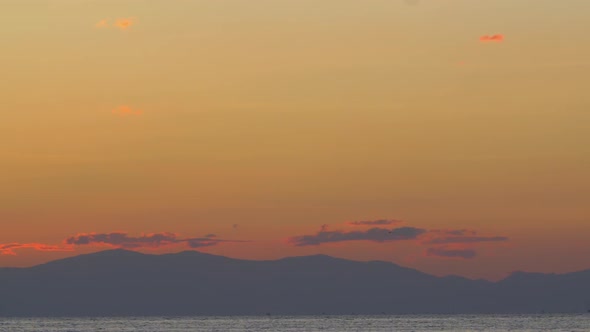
pixel 449 136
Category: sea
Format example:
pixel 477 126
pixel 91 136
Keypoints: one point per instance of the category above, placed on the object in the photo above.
pixel 544 322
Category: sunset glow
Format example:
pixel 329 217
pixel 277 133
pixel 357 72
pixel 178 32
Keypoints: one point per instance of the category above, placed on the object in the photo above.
pixel 492 38
pixel 450 136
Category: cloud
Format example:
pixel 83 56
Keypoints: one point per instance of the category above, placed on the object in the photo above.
pixel 457 232
pixel 121 23
pixel 124 23
pixel 451 253
pixel 201 243
pixel 126 111
pixel 123 240
pixel 119 240
pixel 102 24
pixel 451 232
pixel 153 240
pixel 374 222
pixel 373 234
pixel 8 248
pixel 458 236
pixel 492 38
pixel 458 243
pixel 466 239
pixel 443 243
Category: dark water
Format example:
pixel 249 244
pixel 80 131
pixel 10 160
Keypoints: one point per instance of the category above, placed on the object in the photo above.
pixel 312 323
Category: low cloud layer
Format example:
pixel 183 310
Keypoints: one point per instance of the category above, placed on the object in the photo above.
pixel 467 239
pixel 9 248
pixel 119 240
pixel 451 253
pixel 373 234
pixel 154 240
pixel 374 222
pixel 453 232
pixel 442 243
pixel 492 38
pixel 459 243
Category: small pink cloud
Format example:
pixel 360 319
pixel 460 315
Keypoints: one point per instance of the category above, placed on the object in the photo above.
pixel 124 23
pixel 126 111
pixel 492 38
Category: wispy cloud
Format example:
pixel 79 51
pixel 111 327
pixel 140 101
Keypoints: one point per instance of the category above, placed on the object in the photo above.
pixel 443 243
pixel 466 239
pixel 9 248
pixel 120 23
pixel 153 240
pixel 125 23
pixel 458 236
pixel 451 253
pixel 119 240
pixel 122 239
pixel 124 110
pixel 492 38
pixel 456 243
pixel 373 234
pixel 374 222
pixel 452 232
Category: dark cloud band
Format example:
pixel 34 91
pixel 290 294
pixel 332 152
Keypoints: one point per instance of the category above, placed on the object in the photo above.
pixel 373 234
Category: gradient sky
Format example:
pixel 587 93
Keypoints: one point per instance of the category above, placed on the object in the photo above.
pixel 457 130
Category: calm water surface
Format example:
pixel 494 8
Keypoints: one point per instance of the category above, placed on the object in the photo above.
pixel 314 323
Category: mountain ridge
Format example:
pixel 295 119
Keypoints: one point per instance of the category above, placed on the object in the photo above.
pixel 127 283
pixel 128 252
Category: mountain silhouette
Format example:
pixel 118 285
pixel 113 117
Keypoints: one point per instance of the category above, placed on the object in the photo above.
pixel 126 283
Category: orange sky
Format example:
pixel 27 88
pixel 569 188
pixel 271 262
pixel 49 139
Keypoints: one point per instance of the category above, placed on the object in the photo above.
pixel 458 131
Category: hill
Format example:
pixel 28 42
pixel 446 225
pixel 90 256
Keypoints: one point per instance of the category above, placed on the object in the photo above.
pixel 126 283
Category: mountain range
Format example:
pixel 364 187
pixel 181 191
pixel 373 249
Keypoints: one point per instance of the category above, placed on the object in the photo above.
pixel 127 283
